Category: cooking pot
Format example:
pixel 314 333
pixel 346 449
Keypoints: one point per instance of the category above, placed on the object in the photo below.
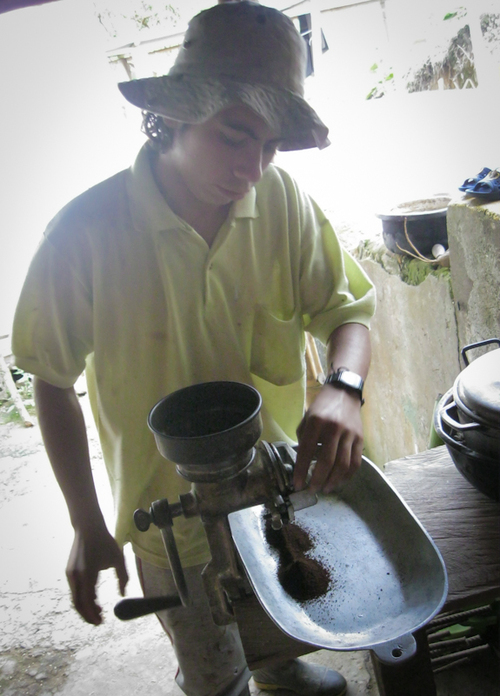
pixel 416 226
pixel 468 420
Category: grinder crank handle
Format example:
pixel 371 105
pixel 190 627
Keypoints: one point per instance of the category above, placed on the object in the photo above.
pixel 161 515
pixel 135 607
pixel 175 563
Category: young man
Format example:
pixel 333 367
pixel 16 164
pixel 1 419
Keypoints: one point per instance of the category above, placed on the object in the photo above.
pixel 201 262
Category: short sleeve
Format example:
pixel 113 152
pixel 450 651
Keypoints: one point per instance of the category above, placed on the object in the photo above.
pixel 335 290
pixel 52 331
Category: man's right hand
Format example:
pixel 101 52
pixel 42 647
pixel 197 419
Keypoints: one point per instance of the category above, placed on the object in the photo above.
pixel 65 436
pixel 92 551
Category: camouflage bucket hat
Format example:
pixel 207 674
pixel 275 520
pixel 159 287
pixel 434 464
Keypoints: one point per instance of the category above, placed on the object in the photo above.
pixel 237 52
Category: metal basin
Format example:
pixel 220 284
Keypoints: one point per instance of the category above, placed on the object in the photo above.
pixel 425 222
pixel 388 579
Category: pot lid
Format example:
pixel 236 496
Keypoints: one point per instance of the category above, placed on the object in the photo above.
pixel 478 388
pixel 436 206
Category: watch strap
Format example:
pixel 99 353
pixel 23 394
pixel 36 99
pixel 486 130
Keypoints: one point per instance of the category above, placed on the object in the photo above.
pixel 346 379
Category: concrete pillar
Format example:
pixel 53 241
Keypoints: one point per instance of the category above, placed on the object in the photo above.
pixel 474 240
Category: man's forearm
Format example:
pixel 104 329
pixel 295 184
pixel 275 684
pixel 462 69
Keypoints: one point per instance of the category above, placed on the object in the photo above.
pixel 349 346
pixel 65 437
pixel 94 549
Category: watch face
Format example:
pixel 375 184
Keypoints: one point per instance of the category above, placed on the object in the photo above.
pixel 351 379
pixel 347 379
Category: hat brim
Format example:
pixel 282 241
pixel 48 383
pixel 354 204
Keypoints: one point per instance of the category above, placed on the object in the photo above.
pixel 193 100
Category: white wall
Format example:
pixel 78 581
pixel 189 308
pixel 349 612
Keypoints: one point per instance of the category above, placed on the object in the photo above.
pixel 398 148
pixel 401 146
pixel 64 126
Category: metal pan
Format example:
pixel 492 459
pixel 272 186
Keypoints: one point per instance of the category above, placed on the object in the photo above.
pixel 388 578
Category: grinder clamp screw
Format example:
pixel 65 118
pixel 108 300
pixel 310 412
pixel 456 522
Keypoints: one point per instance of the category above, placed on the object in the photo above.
pixel 142 520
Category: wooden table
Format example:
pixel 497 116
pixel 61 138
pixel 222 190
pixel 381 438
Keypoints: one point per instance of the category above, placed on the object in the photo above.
pixel 464 523
pixel 465 526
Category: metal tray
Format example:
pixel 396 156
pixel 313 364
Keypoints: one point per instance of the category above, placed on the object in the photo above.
pixel 387 576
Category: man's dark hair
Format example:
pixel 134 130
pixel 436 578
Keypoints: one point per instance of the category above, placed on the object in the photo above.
pixel 158 132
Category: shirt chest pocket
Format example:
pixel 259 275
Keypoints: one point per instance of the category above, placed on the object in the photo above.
pixel 277 352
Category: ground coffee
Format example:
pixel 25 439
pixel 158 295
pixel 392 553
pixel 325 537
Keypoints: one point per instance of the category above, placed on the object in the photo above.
pixel 301 577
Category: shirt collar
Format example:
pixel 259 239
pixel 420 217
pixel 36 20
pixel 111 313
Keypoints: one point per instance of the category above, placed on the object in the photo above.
pixel 247 207
pixel 149 210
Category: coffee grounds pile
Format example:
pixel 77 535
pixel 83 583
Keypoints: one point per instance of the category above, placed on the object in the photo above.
pixel 301 577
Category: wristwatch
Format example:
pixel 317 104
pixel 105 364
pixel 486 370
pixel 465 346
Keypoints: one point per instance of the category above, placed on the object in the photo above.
pixel 346 379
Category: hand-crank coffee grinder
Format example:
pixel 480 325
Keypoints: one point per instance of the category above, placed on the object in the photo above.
pixel 210 431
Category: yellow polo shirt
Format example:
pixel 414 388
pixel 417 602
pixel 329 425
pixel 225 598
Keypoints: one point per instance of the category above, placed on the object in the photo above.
pixel 124 289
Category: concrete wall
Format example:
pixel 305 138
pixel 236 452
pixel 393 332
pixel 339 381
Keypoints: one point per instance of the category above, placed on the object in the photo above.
pixel 415 358
pixel 418 331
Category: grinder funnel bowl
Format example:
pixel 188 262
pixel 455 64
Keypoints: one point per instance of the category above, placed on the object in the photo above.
pixel 208 430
